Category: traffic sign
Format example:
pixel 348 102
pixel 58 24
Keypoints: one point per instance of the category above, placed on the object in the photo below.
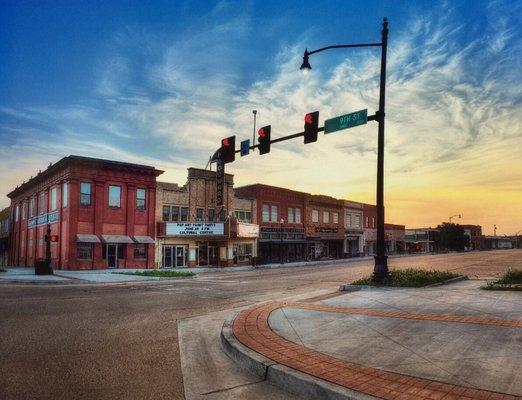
pixel 346 121
pixel 245 147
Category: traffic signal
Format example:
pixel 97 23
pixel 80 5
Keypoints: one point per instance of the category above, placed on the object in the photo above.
pixel 228 149
pixel 54 238
pixel 264 139
pixel 311 126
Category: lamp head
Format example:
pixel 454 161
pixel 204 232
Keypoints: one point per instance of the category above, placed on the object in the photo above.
pixel 305 66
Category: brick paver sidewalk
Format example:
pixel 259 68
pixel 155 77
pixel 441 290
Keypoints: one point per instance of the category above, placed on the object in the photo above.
pixel 251 328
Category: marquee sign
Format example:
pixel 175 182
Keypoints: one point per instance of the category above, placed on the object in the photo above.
pixel 43 219
pixel 194 228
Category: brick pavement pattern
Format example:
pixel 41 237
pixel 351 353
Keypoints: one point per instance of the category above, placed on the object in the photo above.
pixel 251 328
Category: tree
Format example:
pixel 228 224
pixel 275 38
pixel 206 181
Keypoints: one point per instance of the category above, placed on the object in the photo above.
pixel 452 237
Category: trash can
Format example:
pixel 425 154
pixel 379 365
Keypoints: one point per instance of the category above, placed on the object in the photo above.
pixel 43 267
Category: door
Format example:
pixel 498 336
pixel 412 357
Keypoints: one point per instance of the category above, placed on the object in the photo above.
pixel 167 257
pixel 112 255
pixel 180 256
pixel 213 255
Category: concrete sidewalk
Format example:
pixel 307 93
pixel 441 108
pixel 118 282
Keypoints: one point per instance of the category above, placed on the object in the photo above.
pixel 451 342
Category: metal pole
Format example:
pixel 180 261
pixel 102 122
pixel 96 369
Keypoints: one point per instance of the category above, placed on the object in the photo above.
pixel 381 260
pixel 254 132
pixel 281 242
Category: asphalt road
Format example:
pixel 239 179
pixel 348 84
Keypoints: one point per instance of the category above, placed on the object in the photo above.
pixel 119 341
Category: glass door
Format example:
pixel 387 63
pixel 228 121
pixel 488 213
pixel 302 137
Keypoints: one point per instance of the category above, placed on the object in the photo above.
pixel 180 256
pixel 167 257
pixel 213 255
pixel 112 255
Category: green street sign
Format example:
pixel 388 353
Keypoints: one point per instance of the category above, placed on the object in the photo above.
pixel 346 121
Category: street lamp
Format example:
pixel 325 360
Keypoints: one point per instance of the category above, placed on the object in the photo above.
pixel 381 260
pixel 453 216
pixel 281 222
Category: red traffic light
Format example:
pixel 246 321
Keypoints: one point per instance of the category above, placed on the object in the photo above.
pixel 311 127
pixel 309 118
pixel 227 152
pixel 225 142
pixel 261 132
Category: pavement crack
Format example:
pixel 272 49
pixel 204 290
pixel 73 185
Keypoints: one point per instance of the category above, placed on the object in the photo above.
pixel 299 337
pixel 232 387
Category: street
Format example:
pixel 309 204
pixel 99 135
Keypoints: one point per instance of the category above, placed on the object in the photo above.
pixel 120 340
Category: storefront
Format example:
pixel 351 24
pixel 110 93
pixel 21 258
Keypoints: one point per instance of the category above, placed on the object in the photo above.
pixel 354 243
pixel 205 244
pixel 290 249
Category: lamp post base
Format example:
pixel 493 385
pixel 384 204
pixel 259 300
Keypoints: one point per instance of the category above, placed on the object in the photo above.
pixel 380 271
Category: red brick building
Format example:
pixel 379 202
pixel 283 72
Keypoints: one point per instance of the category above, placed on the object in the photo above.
pixel 102 211
pixel 324 227
pixel 281 217
pixel 476 239
pixel 394 234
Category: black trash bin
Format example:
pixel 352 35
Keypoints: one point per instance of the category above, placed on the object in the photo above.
pixel 43 267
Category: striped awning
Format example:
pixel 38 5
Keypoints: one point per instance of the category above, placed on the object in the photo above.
pixel 143 239
pixel 116 239
pixel 85 238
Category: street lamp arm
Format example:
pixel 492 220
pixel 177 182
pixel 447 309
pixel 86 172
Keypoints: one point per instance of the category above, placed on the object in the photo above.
pixel 344 46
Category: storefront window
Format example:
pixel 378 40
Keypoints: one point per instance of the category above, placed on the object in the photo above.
pixel 84 251
pixel 140 250
pixel 243 252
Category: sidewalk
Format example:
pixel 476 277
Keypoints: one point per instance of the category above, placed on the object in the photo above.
pixel 448 342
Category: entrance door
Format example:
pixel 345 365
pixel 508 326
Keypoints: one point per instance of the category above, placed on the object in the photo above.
pixel 213 255
pixel 112 255
pixel 167 257
pixel 180 256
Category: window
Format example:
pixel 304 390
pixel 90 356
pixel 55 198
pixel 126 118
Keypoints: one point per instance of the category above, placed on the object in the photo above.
pixel 315 216
pixel 84 251
pixel 41 204
pixel 290 215
pixel 326 217
pixel 244 216
pixel 367 223
pixel 17 213
pixel 140 199
pixel 348 221
pixel 297 216
pixel 31 206
pixel 211 214
pixel 273 213
pixel 174 213
pixel 121 251
pixel 166 213
pixel 85 193
pixel 114 196
pixel 53 199
pixel 184 213
pixel 65 194
pixel 24 211
pixel 266 212
pixel 357 222
pixel 373 222
pixel 200 212
pixel 335 218
pixel 243 252
pixel 140 250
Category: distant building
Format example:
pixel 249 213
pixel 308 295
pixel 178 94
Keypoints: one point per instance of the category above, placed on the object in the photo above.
pixel 4 236
pixel 353 229
pixel 189 231
pixel 102 211
pixel 501 242
pixel 476 239
pixel 393 234
pixel 420 240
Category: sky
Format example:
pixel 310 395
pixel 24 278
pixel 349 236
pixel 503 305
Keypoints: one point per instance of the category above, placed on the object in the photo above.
pixel 161 82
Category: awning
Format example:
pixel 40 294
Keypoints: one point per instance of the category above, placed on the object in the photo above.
pixel 143 239
pixel 116 239
pixel 82 238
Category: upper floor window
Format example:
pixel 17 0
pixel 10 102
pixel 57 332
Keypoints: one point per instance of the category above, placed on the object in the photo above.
pixel 114 196
pixel 373 222
pixel 357 221
pixel 315 216
pixel 53 199
pixel 175 213
pixel 335 218
pixel 85 193
pixel 269 213
pixel 42 207
pixel 17 212
pixel 294 215
pixel 290 215
pixel 367 222
pixel 266 213
pixel 32 210
pixel 297 215
pixel 211 214
pixel 65 194
pixel 326 217
pixel 348 219
pixel 273 213
pixel 244 216
pixel 24 210
pixel 140 199
pixel 200 214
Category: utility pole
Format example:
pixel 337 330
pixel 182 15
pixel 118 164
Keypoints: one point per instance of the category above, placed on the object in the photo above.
pixel 254 131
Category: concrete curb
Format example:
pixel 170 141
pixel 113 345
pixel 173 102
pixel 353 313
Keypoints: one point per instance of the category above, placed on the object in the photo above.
pixel 293 381
pixel 347 287
pixel 447 281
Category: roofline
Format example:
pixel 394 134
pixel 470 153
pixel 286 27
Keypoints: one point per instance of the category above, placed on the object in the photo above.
pixel 71 159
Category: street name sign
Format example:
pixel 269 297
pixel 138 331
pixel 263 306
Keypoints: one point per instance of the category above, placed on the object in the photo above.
pixel 346 121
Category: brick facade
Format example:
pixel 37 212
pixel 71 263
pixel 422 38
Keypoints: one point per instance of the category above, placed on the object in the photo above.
pixel 53 196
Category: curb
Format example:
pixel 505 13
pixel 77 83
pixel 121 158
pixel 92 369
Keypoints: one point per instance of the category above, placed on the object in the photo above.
pixel 347 287
pixel 288 379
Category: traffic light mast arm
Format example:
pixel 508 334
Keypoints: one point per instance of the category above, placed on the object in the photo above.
pixel 296 135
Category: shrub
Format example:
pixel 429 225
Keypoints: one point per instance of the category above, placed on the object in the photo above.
pixel 409 277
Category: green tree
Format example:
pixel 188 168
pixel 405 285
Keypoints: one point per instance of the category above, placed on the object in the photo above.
pixel 451 236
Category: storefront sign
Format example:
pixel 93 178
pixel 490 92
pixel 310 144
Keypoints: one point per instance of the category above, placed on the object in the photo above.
pixel 247 230
pixel 220 182
pixel 43 219
pixel 194 228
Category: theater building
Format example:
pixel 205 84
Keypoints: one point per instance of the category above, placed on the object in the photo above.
pixel 102 211
pixel 324 227
pixel 4 236
pixel 281 217
pixel 189 232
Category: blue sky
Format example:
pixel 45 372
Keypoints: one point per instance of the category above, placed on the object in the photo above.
pixel 162 82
